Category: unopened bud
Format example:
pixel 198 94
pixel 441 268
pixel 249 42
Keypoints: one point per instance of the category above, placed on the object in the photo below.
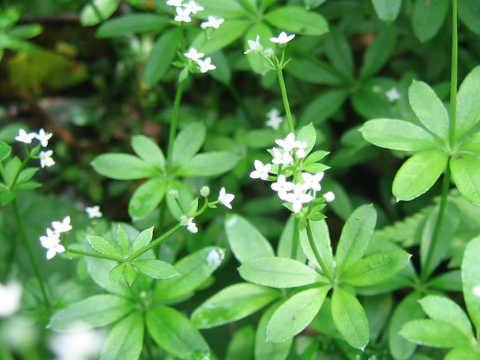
pixel 205 191
pixel 173 193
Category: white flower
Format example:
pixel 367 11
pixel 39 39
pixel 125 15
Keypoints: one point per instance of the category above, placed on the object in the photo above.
pixel 193 7
pixel 301 146
pixel 79 343
pixel 280 158
pixel 212 22
pixel 225 198
pixel 254 46
pixel 476 290
pixel 51 242
pixel 274 112
pixel 182 15
pixel 281 186
pixel 46 158
pixel 261 171
pixel 214 257
pixel 43 137
pixel 330 196
pixel 174 2
pixel 191 226
pixel 193 54
pixel 393 94
pixel 289 143
pixel 93 211
pixel 206 65
pixel 274 119
pixel 25 137
pixel 312 181
pixel 10 295
pixel 283 38
pixel 62 226
pixel 298 198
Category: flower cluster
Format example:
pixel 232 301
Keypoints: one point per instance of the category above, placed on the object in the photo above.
pixel 205 64
pixel 51 242
pixel 45 157
pixel 288 159
pixel 257 48
pixel 183 12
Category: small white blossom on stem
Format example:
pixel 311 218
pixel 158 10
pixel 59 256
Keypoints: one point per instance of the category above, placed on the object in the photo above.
pixel 46 158
pixel 25 137
pixel 289 143
pixel 393 94
pixel 193 7
pixel 311 181
pixel 298 198
pixel 212 22
pixel 10 295
pixel 274 119
pixel 281 186
pixel 175 2
pixel 225 198
pixel 62 226
pixel 301 146
pixel 43 137
pixel 193 54
pixel 280 158
pixel 51 242
pixel 330 196
pixel 283 38
pixel 191 226
pixel 254 46
pixel 94 212
pixel 261 170
pixel 183 15
pixel 79 343
pixel 206 65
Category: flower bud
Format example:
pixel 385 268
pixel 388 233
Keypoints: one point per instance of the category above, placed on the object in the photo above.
pixel 173 193
pixel 205 191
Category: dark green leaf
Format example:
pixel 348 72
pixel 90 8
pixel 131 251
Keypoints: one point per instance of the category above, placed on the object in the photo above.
pixel 322 107
pixel 156 269
pixel 387 10
pixel 297 20
pixel 131 24
pixel 123 167
pixel 428 17
pixel 227 9
pixel 242 344
pixel 339 53
pixel 125 340
pixel 379 50
pixel 468 13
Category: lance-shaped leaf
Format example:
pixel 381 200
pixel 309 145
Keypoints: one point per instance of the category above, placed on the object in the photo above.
pixel 188 142
pixel 98 11
pixel 208 164
pixel 465 169
pixel 147 197
pixel 428 17
pixel 470 279
pixel 387 10
pixel 147 150
pixel 380 49
pixel 279 272
pixel 418 174
pixel 296 314
pixel 142 239
pixel 242 345
pixel 125 340
pixel 5 150
pixel 435 333
pixel 175 333
pixel 321 239
pixel 156 269
pixel 464 353
pixel 468 106
pixel 376 269
pixel 131 24
pixel 123 167
pixel 102 246
pixel 232 303
pixel 297 20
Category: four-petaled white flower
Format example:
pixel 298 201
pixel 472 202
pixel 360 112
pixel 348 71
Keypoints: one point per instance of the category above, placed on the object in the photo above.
pixel 289 143
pixel 46 158
pixel 206 65
pixel 283 38
pixel 191 226
pixel 298 198
pixel 193 7
pixel 274 119
pixel 254 46
pixel 261 170
pixel 93 212
pixel 193 54
pixel 62 226
pixel 225 198
pixel 212 22
pixel 183 15
pixel 311 181
pixel 51 242
pixel 281 186
pixel 11 295
pixel 330 196
pixel 43 137
pixel 274 112
pixel 175 2
pixel 393 94
pixel 25 137
pixel 281 158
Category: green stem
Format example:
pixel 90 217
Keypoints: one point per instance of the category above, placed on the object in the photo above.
pixel 174 124
pixel 153 243
pixel 29 249
pixel 95 255
pixel 319 258
pixel 286 104
pixel 454 75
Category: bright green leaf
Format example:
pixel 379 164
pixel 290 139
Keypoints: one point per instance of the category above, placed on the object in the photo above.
pixel 117 273
pixel 132 24
pixel 148 150
pixel 188 142
pixel 208 164
pixel 226 9
pixel 100 270
pixel 102 246
pixel 464 353
pixel 147 197
pixel 470 278
pixel 5 150
pixel 156 269
pixel 122 240
pixel 125 340
pixel 143 239
pixel 123 167
pixel 296 19
pixel 321 240
pixel 129 274
pixel 465 169
pixel 434 333
pixel 103 9
pixel 227 33
pixel 307 133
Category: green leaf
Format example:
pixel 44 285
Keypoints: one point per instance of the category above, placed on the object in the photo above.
pixel 465 168
pixel 11 170
pixel 467 12
pixel 376 269
pixel 472 144
pixel 143 239
pixel 257 62
pixel 279 272
pixel 313 71
pixel 123 167
pixel 227 33
pixel 464 353
pixel 5 150
pixel 102 246
pixel 350 319
pixel 429 109
pixel 297 20
pixel 321 239
pixel 194 270
pixel 208 164
pixel 339 53
pixel 296 314
pixel 95 311
pixel 26 174
pixel 232 303
pixel 323 106
pixel 428 17
pixel 132 24
pixel 148 151
pixel 175 333
pixel 308 134
pixel 188 142
pixel 125 340
pixel 242 344
pixel 100 270
pixel 387 10
pixel 245 240
pixel 227 9
pixel 378 52
pixel 418 174
pixel 147 197
pixel 397 135
pixel 117 273
pixel 161 57
pixel 122 240
pixel 355 237
pixel 470 271
pixel 129 274
pixel 156 269
pixel 94 15
pixel 442 308
pixel 434 333
pixel 448 281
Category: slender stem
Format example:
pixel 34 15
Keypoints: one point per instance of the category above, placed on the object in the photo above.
pixel 286 104
pixel 154 243
pixel 454 75
pixel 29 249
pixel 174 124
pixel 295 239
pixel 319 258
pixel 95 255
